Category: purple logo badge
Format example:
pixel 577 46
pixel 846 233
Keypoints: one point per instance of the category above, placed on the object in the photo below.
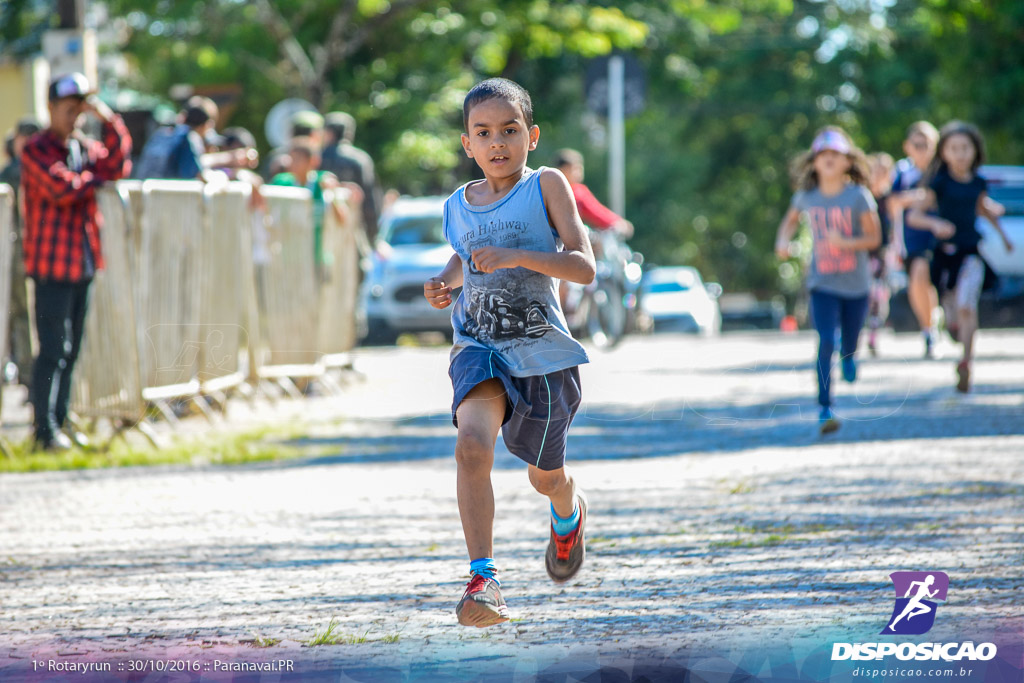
pixel 914 612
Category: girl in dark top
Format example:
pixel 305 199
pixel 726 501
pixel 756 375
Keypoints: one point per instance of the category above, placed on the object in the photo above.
pixel 958 194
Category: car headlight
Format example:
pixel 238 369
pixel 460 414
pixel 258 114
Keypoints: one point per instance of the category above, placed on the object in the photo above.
pixel 376 291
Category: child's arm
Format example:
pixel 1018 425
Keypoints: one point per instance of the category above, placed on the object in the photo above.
pixel 438 289
pixel 787 228
pixel 870 238
pixel 574 263
pixel 985 209
pixel 917 218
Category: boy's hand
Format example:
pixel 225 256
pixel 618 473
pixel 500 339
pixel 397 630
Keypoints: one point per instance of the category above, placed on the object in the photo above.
pixel 1008 245
pixel 438 294
pixel 943 229
pixel 490 259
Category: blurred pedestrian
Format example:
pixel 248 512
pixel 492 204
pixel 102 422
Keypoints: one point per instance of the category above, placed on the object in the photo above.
pixel 176 153
pixel 514 363
pixel 184 152
pixel 880 182
pixel 956 191
pixel 304 171
pixel 61 170
pixel 916 245
pixel 843 219
pixel 595 215
pixel 19 325
pixel 350 164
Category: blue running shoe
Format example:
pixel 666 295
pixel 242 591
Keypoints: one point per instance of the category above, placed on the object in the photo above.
pixel 849 369
pixel 827 421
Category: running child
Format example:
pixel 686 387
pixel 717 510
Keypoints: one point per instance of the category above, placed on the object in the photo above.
pixel 916 244
pixel 513 367
pixel 880 168
pixel 842 216
pixel 959 195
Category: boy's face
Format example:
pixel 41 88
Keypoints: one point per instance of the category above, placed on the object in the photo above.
pixel 920 149
pixel 498 138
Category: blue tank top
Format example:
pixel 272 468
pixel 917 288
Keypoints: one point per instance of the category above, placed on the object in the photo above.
pixel 514 312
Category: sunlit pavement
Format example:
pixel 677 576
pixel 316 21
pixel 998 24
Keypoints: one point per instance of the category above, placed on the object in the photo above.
pixel 717 515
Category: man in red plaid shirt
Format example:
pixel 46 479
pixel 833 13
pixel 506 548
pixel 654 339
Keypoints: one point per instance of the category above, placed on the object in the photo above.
pixel 61 170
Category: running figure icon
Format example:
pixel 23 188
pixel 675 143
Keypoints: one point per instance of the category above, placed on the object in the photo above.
pixel 915 607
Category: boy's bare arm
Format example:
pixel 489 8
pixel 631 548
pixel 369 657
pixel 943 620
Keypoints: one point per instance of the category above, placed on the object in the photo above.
pixel 574 263
pixel 438 289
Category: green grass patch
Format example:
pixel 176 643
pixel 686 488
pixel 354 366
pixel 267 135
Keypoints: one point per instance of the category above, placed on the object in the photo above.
pixel 261 642
pixel 769 535
pixel 332 636
pixel 215 449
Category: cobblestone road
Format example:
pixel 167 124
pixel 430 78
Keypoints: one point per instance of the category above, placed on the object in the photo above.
pixel 717 515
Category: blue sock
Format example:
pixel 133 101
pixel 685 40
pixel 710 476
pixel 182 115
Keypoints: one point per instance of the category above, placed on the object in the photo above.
pixel 485 568
pixel 567 525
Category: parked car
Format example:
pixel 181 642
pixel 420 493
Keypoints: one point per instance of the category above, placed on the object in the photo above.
pixel 410 249
pixel 675 299
pixel 1006 186
pixel 1002 306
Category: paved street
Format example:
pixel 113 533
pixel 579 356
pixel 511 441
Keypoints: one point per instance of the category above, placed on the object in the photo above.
pixel 718 516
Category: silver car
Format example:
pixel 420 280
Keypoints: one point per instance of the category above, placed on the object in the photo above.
pixel 410 249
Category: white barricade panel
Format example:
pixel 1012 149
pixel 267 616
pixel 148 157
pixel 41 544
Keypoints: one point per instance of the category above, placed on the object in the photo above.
pixel 339 291
pixel 225 277
pixel 6 250
pixel 169 282
pixel 286 279
pixel 106 381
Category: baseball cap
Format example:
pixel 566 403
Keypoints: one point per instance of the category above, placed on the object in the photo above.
pixel 70 85
pixel 830 139
pixel 306 122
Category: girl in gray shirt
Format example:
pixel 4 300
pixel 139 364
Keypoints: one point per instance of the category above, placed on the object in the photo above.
pixel 842 217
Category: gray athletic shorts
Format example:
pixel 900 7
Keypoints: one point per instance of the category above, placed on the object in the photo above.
pixel 538 410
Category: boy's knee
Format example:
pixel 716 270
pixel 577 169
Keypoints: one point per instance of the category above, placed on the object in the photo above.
pixel 548 482
pixel 473 449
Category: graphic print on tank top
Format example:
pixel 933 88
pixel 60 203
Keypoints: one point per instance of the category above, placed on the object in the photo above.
pixel 512 311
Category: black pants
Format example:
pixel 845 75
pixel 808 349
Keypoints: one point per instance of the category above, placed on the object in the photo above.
pixel 60 323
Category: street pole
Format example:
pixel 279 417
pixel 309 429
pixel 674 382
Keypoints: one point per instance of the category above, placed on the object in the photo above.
pixel 71 13
pixel 617 135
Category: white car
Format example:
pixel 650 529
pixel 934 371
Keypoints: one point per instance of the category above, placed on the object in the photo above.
pixel 1006 186
pixel 410 249
pixel 675 299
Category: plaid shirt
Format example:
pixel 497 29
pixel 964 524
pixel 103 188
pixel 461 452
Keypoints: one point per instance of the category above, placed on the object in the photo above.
pixel 59 180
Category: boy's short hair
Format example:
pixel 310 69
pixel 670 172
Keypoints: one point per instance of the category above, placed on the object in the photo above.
pixel 922 128
pixel 498 89
pixel 304 146
pixel 567 157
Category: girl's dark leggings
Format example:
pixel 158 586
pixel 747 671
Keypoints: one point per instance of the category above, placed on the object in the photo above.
pixel 831 312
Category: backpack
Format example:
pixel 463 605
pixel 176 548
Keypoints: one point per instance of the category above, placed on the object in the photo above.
pixel 159 158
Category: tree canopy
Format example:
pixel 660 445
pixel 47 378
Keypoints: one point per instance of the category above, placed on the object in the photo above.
pixel 734 89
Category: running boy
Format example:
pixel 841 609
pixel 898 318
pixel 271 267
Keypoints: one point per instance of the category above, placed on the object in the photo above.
pixel 513 364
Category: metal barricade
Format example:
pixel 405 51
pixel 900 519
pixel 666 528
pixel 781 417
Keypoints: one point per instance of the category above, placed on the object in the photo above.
pixel 168 281
pixel 286 288
pixel 339 290
pixel 6 249
pixel 107 383
pixel 225 276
